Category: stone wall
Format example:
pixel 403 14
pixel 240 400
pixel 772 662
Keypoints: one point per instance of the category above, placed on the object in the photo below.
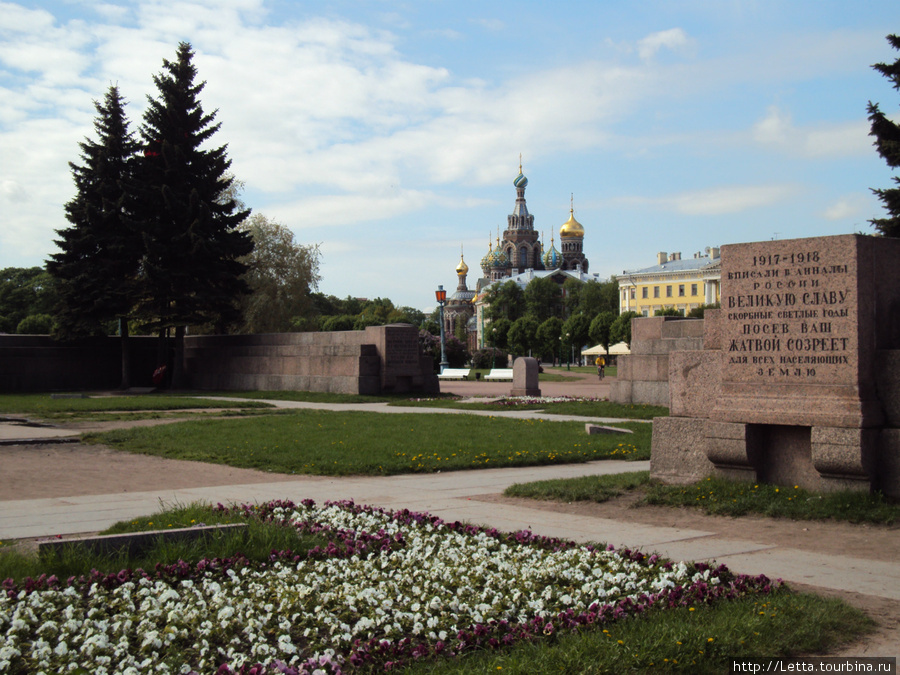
pixel 643 375
pixel 381 359
pixel 798 380
pixel 39 363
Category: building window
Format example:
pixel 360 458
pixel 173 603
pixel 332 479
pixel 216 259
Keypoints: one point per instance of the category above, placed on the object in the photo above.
pixel 680 290
pixel 646 312
pixel 694 289
pixel 668 291
pixel 644 292
pixel 656 291
pixel 632 292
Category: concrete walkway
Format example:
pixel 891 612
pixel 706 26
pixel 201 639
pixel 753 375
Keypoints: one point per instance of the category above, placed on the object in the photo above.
pixel 454 496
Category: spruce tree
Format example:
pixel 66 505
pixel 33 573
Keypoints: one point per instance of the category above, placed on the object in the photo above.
pixel 98 259
pixel 190 273
pixel 97 264
pixel 887 141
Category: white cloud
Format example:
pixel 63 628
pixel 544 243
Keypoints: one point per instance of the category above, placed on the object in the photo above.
pixel 849 207
pixel 777 130
pixel 774 128
pixel 674 39
pixel 719 201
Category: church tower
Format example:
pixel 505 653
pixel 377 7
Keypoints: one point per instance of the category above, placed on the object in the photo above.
pixel 521 242
pixel 571 239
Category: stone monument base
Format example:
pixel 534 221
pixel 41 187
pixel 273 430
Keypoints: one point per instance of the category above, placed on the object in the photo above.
pixel 525 377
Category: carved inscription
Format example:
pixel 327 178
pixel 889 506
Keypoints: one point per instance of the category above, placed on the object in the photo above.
pixel 790 313
pixel 401 350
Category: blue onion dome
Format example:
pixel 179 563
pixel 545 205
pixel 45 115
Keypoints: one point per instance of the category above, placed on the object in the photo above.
pixel 488 259
pixel 520 181
pixel 552 258
pixel 500 259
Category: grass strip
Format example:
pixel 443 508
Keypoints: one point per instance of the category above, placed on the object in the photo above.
pixel 331 443
pixel 582 488
pixel 44 405
pixel 700 639
pixel 717 496
pixel 730 498
pixel 574 407
pixel 255 542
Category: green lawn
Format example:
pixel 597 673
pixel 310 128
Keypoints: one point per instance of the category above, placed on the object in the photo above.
pixel 719 496
pixel 44 405
pixel 579 407
pixel 343 443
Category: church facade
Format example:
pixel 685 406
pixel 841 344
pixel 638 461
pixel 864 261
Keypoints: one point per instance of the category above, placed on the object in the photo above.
pixel 519 256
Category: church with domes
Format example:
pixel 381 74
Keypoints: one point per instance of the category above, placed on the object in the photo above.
pixel 518 256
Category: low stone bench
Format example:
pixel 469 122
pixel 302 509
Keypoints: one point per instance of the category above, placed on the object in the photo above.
pixel 132 542
pixel 500 374
pixel 593 429
pixel 455 374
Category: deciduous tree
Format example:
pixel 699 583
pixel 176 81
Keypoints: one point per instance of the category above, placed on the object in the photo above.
pixel 282 276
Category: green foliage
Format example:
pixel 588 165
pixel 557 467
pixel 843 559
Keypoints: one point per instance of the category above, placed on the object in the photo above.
pixel 340 322
pixel 887 142
pixel 485 359
pixel 543 299
pixel 504 301
pixel 96 269
pixel 599 330
pixel 548 337
pixel 24 291
pixel 620 331
pixel 576 332
pixel 497 332
pixel 192 246
pixel 698 312
pixel 455 350
pixel 668 311
pixel 281 274
pixel 35 324
pixel 522 336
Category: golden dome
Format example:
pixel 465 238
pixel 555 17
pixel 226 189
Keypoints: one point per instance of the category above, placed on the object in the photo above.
pixel 571 228
pixel 462 268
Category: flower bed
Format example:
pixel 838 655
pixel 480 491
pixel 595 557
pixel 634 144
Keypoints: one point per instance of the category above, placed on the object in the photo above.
pixel 390 587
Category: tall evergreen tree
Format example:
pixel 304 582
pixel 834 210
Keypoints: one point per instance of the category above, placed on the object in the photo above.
pixel 190 273
pixel 98 260
pixel 887 141
pixel 96 267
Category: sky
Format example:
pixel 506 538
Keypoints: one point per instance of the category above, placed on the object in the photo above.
pixel 389 132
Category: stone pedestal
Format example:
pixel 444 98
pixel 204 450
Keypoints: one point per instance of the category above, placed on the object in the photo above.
pixel 525 377
pixel 798 379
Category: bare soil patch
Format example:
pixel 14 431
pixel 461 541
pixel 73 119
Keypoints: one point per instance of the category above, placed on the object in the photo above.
pixel 73 469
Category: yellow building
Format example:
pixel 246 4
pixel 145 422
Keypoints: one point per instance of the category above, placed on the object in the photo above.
pixel 672 283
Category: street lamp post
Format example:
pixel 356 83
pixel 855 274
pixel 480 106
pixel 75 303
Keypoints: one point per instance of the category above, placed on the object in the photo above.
pixel 441 296
pixel 572 349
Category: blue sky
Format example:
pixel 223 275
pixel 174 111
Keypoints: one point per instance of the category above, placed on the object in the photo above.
pixel 389 132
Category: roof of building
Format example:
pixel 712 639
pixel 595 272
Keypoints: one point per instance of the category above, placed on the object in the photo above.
pixel 685 265
pixel 525 277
